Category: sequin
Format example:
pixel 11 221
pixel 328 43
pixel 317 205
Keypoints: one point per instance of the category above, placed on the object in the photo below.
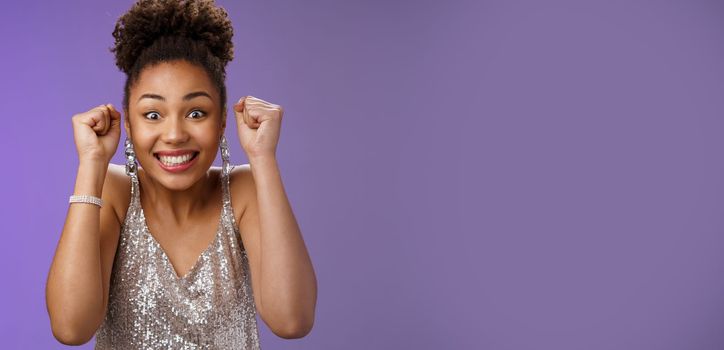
pixel 151 307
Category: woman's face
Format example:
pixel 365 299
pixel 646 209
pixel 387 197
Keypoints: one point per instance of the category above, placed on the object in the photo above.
pixel 175 122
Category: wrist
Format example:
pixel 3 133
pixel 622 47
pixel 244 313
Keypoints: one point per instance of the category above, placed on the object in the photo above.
pixel 90 178
pixel 262 158
pixel 93 162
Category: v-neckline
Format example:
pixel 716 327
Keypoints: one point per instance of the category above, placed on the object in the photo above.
pixel 164 256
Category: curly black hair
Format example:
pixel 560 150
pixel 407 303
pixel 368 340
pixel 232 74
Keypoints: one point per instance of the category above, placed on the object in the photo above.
pixel 155 31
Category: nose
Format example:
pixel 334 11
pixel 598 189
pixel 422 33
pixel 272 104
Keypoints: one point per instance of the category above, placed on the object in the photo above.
pixel 174 131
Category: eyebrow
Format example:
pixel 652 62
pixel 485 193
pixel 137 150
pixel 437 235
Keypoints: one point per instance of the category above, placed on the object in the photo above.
pixel 185 98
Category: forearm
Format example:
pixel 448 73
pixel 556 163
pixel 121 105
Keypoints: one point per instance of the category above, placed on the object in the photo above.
pixel 288 283
pixel 74 290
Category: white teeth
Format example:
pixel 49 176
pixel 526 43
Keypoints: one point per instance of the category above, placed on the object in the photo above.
pixel 175 160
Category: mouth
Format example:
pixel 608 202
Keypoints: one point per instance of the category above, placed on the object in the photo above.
pixel 178 162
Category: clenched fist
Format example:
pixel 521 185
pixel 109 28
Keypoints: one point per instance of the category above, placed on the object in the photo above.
pixel 97 133
pixel 259 124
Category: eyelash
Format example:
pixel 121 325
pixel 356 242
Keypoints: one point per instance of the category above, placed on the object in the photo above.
pixel 145 115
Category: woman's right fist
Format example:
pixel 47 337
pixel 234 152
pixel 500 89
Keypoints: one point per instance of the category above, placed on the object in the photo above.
pixel 97 133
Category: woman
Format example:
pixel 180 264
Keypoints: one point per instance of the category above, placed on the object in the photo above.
pixel 157 256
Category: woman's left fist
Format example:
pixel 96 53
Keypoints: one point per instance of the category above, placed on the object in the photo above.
pixel 259 124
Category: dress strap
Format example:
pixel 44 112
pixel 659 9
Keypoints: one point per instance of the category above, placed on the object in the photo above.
pixel 135 190
pixel 226 196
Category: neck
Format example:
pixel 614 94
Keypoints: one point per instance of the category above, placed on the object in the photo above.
pixel 179 204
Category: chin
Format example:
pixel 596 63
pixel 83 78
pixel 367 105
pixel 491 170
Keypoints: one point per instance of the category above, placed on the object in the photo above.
pixel 176 183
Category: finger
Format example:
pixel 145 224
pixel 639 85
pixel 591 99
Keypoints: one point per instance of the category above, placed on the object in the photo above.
pixel 96 119
pixel 256 99
pixel 245 116
pixel 109 118
pixel 239 106
pixel 115 114
pixel 240 110
pixel 244 110
pixel 106 119
pixel 257 103
pixel 272 108
pixel 254 116
pixel 115 121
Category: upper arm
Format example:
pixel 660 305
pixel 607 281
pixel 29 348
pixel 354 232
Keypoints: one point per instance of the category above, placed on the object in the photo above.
pixel 114 195
pixel 242 186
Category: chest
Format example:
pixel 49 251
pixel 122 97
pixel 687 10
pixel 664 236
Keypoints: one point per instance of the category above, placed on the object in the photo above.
pixel 184 244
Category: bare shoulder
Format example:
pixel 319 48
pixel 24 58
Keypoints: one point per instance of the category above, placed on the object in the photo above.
pixel 117 190
pixel 241 186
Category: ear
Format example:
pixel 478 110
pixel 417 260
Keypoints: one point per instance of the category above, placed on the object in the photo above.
pixel 126 125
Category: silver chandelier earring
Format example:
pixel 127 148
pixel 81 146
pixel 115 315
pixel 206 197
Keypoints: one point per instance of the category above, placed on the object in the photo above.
pixel 226 164
pixel 131 166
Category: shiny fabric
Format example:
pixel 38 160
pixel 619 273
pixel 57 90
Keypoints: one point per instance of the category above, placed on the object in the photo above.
pixel 150 307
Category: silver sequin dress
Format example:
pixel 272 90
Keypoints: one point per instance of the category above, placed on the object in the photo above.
pixel 150 307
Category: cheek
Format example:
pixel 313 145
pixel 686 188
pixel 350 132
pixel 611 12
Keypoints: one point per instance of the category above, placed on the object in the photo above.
pixel 142 141
pixel 207 138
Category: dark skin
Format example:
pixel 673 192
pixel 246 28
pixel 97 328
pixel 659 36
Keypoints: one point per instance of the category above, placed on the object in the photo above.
pixel 182 209
pixel 180 214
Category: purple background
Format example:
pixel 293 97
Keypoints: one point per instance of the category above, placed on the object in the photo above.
pixel 467 175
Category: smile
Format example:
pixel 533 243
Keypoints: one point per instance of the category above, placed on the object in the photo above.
pixel 176 163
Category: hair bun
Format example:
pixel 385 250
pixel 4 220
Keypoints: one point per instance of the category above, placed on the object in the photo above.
pixel 149 20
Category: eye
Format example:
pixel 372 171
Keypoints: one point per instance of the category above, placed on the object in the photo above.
pixel 150 113
pixel 198 112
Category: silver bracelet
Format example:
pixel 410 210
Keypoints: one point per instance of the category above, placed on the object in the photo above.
pixel 86 199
